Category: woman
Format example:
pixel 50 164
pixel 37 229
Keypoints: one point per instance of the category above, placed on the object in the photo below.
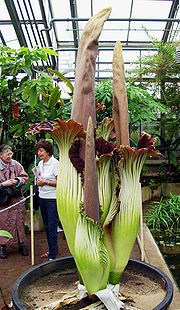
pixel 46 181
pixel 13 175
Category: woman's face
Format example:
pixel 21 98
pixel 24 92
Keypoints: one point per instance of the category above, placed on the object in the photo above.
pixel 43 155
pixel 6 156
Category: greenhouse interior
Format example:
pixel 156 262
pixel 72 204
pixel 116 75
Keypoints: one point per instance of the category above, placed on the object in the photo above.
pixel 90 154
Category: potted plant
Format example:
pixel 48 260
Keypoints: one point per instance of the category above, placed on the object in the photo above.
pixel 163 220
pixel 98 188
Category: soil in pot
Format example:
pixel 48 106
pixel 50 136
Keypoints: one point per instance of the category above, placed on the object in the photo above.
pixel 140 291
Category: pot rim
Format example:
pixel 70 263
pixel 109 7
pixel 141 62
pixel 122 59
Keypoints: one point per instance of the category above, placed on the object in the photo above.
pixel 50 266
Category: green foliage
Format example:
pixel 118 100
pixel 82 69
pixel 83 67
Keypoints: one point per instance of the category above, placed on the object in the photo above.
pixel 159 66
pixel 103 95
pixel 163 219
pixel 159 73
pixel 34 92
pixel 143 108
pixel 21 60
pixel 62 78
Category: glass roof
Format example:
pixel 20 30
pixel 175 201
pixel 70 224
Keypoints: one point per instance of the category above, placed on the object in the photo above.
pixel 59 24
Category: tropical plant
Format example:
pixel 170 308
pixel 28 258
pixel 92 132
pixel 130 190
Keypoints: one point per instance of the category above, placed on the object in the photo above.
pixel 143 108
pixel 159 70
pixel 27 94
pixel 163 219
pixel 98 184
pixel 103 96
pixel 159 74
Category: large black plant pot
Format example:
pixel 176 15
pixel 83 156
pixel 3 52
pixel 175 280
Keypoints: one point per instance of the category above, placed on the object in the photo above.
pixel 59 264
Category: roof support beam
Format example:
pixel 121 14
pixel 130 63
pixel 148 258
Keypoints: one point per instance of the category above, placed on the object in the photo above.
pixel 47 33
pixel 16 22
pixel 172 14
pixel 129 21
pixel 45 21
pixel 2 38
pixel 73 8
pixel 52 14
pixel 24 21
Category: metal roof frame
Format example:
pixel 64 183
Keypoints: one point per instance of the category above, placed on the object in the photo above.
pixel 30 30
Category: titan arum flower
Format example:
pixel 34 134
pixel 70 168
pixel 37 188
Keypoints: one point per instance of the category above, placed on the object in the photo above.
pixel 98 188
pixel 69 182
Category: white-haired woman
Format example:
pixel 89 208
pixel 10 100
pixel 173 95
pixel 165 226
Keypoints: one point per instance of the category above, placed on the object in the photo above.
pixel 12 176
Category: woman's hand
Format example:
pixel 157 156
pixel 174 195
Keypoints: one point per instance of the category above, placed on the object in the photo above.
pixel 41 182
pixel 9 182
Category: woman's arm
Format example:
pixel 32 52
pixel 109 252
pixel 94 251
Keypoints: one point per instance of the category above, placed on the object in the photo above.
pixel 20 174
pixel 42 182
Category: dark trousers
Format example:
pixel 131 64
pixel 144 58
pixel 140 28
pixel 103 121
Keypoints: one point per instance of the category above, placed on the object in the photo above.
pixel 50 220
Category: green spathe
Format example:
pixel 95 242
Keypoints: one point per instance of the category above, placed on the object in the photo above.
pixel 90 255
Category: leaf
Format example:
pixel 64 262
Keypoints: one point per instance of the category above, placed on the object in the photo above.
pixel 23 50
pixel 63 78
pixel 14 128
pixel 18 130
pixel 40 54
pixel 54 97
pixel 33 97
pixel 26 91
pixel 50 51
pixel 27 70
pixel 23 80
pixel 27 62
pixel 4 233
pixel 18 91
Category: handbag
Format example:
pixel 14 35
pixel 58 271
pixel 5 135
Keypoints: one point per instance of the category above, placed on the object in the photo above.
pixel 6 193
